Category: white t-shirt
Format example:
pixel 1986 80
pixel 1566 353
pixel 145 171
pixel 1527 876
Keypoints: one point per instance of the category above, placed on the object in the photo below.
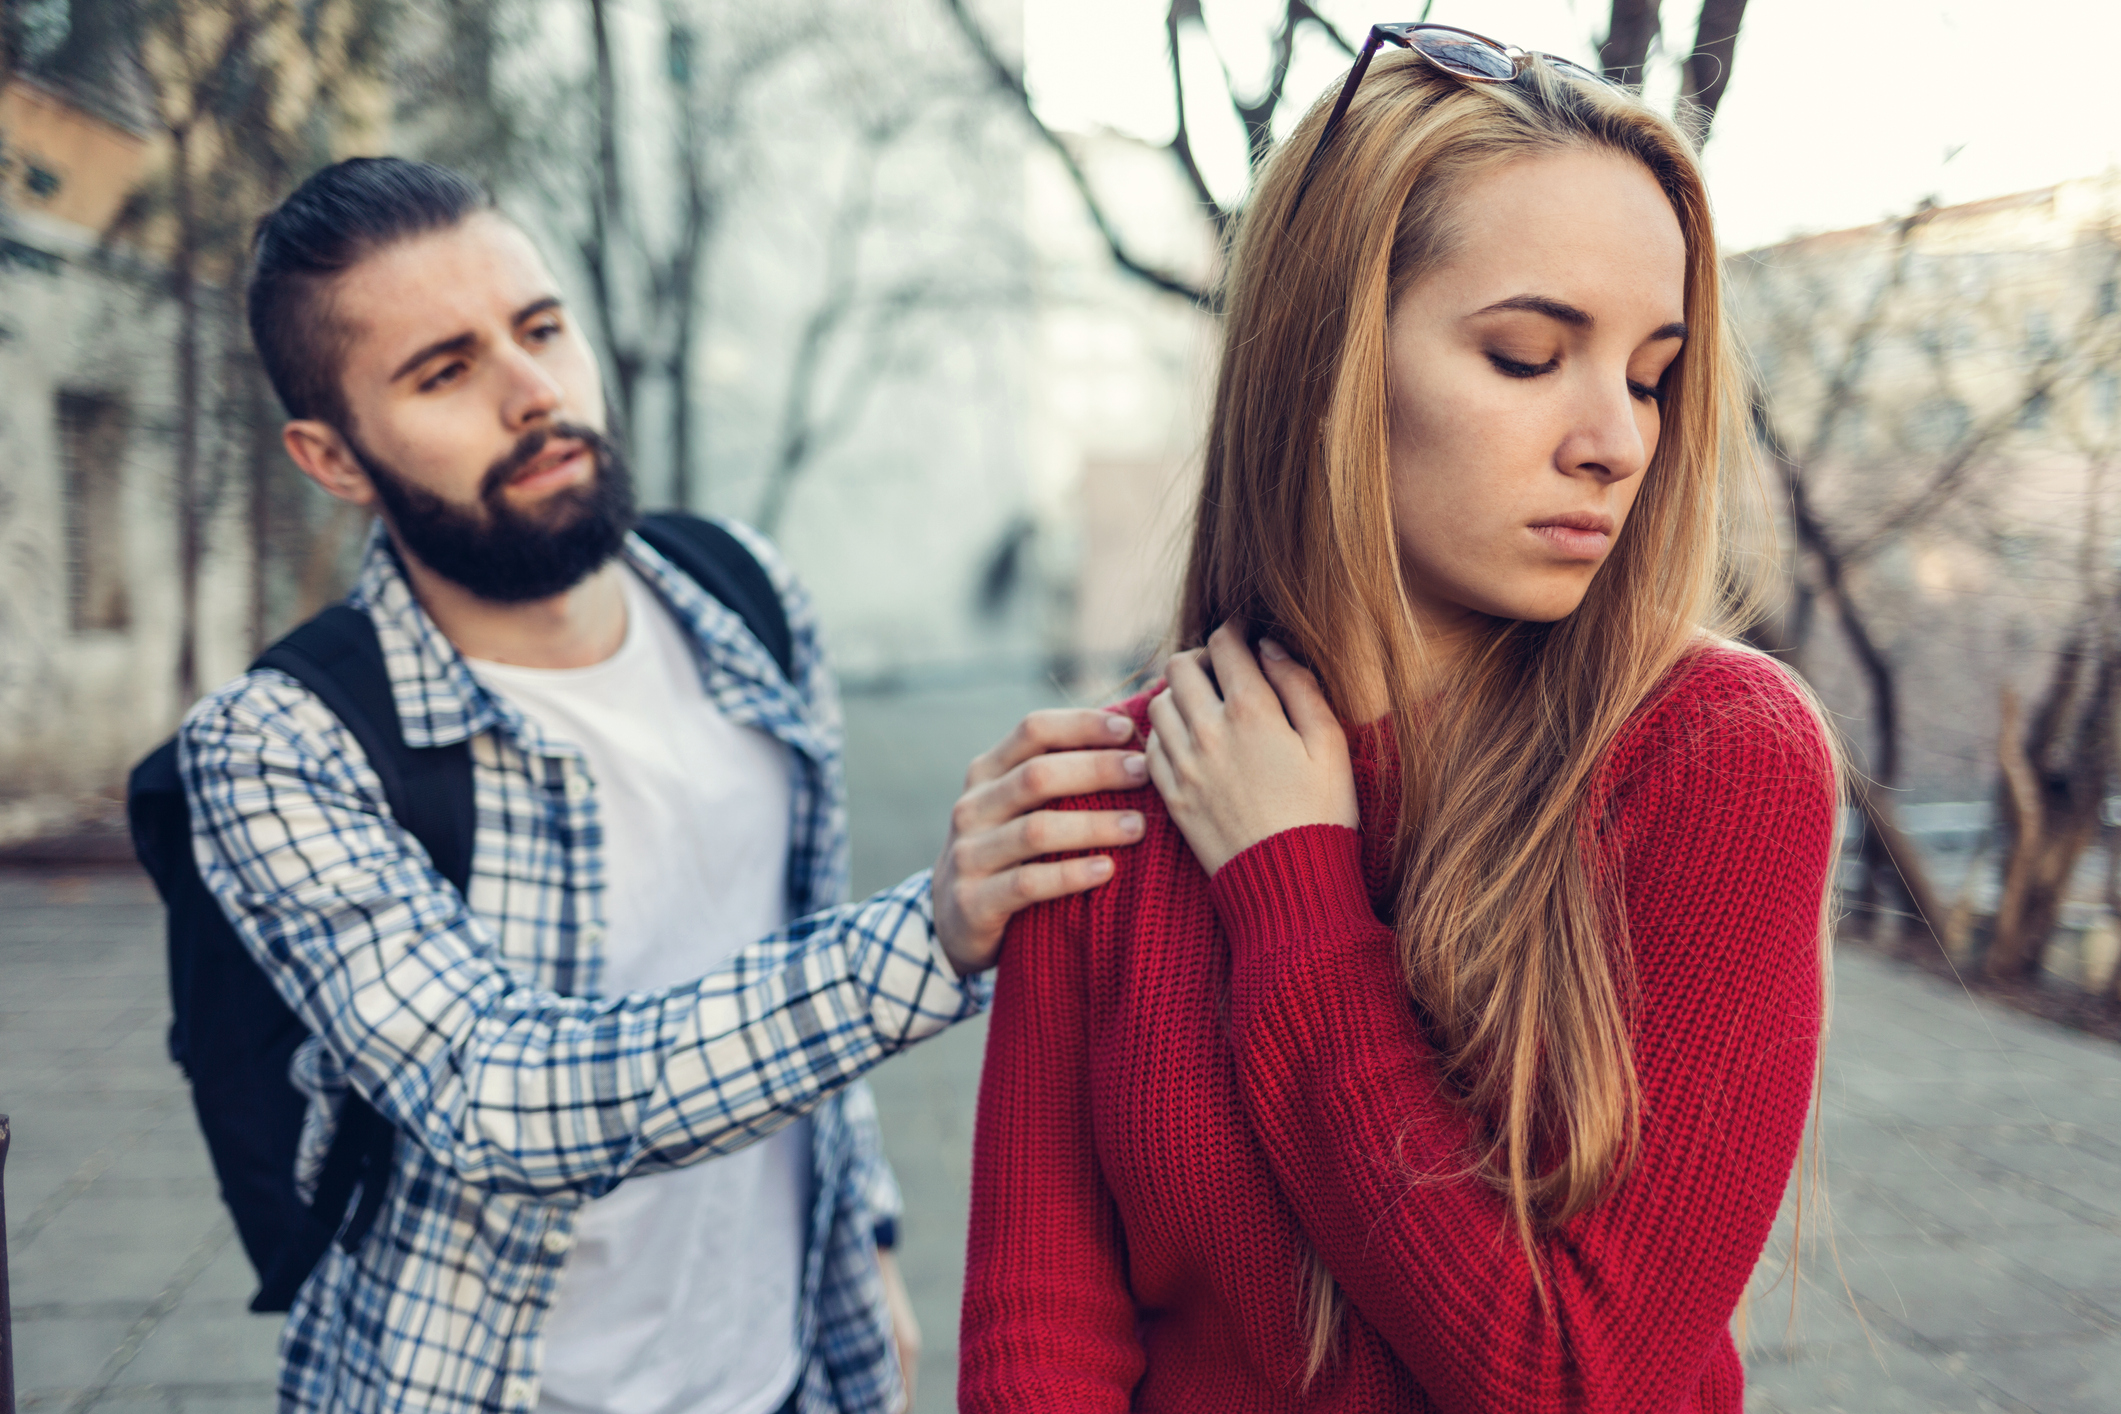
pixel 681 1294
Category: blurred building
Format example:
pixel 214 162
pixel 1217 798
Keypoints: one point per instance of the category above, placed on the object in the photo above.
pixel 1952 385
pixel 88 628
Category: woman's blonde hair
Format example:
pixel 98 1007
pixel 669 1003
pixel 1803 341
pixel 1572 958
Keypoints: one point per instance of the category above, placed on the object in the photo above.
pixel 1514 951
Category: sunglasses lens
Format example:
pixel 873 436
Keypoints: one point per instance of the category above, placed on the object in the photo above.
pixel 1571 68
pixel 1462 54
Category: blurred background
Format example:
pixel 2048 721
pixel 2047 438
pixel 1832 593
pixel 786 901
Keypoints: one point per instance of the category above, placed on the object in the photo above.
pixel 924 289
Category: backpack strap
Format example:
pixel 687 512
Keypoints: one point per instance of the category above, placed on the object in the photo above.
pixel 337 656
pixel 718 562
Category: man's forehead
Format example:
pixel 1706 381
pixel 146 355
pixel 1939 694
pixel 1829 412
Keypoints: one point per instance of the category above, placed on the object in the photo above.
pixel 441 283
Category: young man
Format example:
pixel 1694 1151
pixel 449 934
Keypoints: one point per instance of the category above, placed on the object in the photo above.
pixel 633 1174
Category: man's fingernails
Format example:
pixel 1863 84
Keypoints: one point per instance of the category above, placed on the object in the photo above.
pixel 1130 824
pixel 1136 765
pixel 1100 866
pixel 1268 648
pixel 1119 726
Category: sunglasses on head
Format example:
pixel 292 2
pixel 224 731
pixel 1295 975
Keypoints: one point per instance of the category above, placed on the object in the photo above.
pixel 1458 52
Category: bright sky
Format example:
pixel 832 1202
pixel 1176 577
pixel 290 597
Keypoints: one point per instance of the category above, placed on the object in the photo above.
pixel 1839 112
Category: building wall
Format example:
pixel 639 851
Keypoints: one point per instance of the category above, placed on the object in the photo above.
pixel 78 704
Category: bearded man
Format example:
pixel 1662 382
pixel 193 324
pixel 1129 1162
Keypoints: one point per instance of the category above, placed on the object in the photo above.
pixel 633 1170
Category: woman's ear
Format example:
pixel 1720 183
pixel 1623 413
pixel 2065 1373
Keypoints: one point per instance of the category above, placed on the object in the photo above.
pixel 321 451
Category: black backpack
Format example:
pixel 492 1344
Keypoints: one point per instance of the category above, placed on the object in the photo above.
pixel 230 1031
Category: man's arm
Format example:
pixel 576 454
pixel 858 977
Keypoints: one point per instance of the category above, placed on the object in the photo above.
pixel 524 1090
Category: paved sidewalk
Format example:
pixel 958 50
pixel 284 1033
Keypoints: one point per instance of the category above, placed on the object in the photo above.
pixel 1974 1162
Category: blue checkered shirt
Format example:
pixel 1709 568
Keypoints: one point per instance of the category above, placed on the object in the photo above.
pixel 478 1026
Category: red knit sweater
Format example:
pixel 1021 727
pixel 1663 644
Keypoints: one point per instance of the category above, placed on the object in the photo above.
pixel 1191 1084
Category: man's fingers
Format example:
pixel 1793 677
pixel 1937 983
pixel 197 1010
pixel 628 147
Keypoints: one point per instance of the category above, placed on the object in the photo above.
pixel 1045 832
pixel 995 899
pixel 1033 783
pixel 1301 696
pixel 1051 729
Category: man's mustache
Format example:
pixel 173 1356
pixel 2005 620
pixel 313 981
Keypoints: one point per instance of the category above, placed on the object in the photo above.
pixel 531 445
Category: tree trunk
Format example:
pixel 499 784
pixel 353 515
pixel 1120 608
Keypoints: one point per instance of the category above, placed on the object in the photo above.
pixel 1628 38
pixel 2053 805
pixel 191 512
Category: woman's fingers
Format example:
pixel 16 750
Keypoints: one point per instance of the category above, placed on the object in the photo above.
pixel 1052 729
pixel 1301 696
pixel 1236 672
pixel 1192 691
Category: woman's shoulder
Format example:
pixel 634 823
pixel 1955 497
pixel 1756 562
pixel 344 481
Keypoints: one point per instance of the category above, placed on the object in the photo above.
pixel 1732 713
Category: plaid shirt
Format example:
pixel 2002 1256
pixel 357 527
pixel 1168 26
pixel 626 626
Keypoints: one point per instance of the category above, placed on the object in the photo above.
pixel 477 1027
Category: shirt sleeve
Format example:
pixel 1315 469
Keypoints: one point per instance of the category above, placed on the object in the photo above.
pixel 1724 831
pixel 513 1088
pixel 1049 1320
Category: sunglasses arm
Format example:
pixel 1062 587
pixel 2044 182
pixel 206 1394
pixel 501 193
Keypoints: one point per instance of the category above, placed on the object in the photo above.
pixel 1340 109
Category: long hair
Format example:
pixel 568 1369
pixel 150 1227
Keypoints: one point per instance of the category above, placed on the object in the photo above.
pixel 1513 949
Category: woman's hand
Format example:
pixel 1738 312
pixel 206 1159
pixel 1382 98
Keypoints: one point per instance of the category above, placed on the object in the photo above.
pixel 1263 755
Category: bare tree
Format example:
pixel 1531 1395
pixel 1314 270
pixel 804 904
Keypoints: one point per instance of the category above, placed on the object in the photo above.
pixel 222 78
pixel 1896 356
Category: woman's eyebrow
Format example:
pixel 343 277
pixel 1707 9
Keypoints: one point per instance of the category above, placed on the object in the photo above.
pixel 1562 312
pixel 1559 310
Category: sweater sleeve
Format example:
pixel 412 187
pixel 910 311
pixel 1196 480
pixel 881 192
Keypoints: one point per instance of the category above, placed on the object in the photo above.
pixel 1723 826
pixel 1048 1318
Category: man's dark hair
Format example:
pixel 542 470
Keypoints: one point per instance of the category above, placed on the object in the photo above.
pixel 333 221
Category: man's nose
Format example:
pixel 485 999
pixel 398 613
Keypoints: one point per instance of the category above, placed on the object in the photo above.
pixel 531 396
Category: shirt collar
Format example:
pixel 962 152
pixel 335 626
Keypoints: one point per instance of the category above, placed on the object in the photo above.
pixel 441 701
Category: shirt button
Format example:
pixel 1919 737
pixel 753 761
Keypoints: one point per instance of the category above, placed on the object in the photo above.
pixel 592 934
pixel 520 1392
pixel 558 1240
pixel 577 788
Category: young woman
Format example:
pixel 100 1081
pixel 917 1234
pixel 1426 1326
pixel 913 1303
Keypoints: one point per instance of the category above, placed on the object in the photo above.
pixel 1458 1061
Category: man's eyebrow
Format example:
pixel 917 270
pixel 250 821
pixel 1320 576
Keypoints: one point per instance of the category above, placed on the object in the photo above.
pixel 535 307
pixel 456 343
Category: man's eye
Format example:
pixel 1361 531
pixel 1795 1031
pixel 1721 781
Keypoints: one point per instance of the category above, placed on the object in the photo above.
pixel 447 373
pixel 543 333
pixel 1515 368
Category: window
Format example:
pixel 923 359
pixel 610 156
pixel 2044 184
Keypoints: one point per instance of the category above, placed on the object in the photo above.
pixel 92 461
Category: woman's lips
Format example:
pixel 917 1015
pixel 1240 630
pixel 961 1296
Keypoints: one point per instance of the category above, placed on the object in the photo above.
pixel 1577 537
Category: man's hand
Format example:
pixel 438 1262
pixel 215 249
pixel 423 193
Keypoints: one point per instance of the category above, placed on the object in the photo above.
pixel 905 1330
pixel 997 825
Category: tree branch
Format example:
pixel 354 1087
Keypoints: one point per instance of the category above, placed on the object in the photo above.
pixel 1011 82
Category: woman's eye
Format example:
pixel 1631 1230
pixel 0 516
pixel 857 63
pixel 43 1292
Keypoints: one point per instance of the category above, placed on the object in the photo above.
pixel 1514 368
pixel 1646 392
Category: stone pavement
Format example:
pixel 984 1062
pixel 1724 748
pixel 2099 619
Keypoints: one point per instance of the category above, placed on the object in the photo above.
pixel 1974 1162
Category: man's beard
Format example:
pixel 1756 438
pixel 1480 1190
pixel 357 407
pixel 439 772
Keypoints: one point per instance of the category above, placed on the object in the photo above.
pixel 503 554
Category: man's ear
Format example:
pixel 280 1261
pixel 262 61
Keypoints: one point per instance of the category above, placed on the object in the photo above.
pixel 322 453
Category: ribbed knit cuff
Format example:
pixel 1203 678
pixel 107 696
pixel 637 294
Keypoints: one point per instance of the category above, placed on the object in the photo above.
pixel 1286 892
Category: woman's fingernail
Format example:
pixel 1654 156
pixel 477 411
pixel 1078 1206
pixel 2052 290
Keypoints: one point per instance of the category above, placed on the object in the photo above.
pixel 1136 765
pixel 1119 726
pixel 1130 824
pixel 1268 648
pixel 1100 866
